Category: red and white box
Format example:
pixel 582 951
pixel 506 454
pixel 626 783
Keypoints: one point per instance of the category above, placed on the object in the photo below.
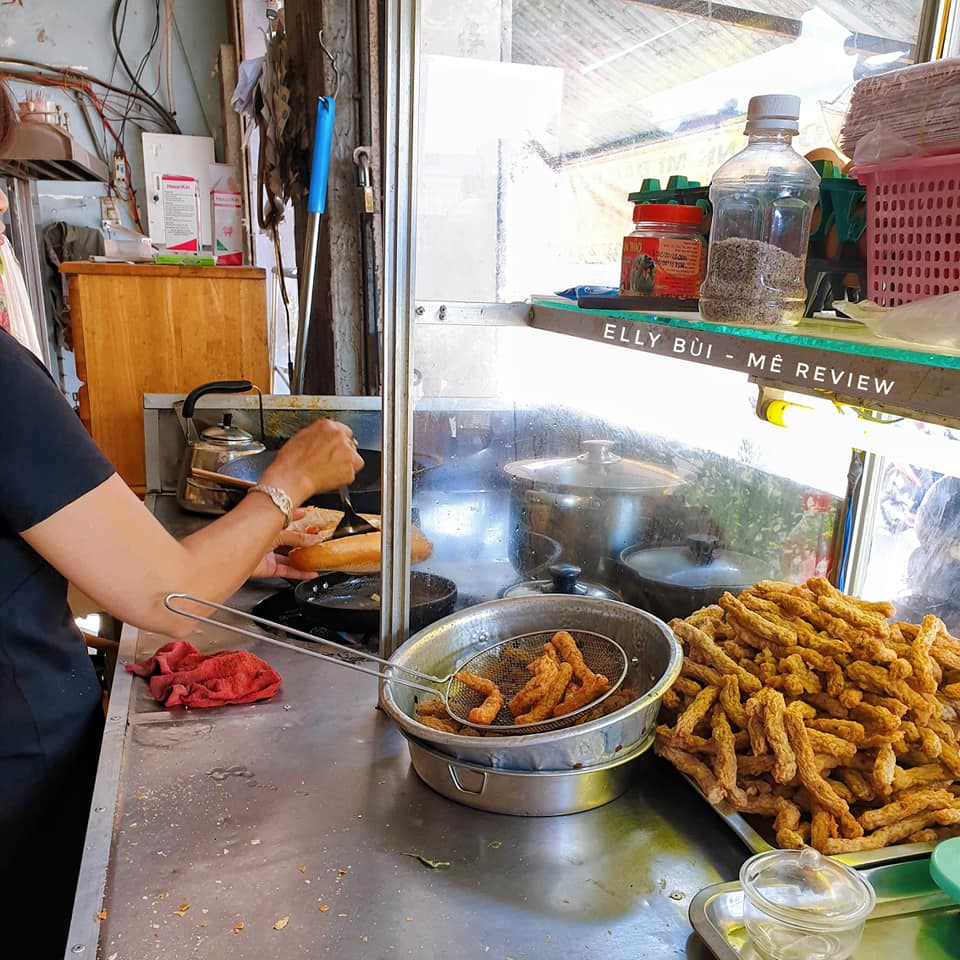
pixel 226 215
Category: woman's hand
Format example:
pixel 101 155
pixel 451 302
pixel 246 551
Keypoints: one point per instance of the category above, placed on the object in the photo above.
pixel 320 457
pixel 275 564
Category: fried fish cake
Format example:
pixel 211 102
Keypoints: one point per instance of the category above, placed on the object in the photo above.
pixel 543 709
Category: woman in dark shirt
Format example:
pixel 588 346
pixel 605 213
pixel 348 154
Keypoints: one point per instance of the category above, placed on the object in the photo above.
pixel 65 515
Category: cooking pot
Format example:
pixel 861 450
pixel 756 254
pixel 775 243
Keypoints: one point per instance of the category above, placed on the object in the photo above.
pixel 654 657
pixel 364 490
pixel 525 793
pixel 212 449
pixel 674 581
pixel 351 602
pixel 595 504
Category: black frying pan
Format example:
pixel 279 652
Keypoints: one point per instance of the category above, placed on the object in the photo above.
pixel 351 601
pixel 364 491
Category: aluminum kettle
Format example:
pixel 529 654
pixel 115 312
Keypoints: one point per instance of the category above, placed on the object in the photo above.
pixel 211 449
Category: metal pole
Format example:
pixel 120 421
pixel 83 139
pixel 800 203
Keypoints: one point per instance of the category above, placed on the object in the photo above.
pixel 864 520
pixel 316 206
pixel 307 281
pixel 402 21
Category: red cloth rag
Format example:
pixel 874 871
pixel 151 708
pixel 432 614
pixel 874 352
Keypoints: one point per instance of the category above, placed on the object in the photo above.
pixel 181 676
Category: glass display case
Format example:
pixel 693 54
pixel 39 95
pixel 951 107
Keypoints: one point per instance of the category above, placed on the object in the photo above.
pixel 516 133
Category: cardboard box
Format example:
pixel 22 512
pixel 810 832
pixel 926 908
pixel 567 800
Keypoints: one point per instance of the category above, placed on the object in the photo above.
pixel 226 215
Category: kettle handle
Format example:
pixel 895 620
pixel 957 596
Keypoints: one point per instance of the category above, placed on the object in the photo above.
pixel 215 386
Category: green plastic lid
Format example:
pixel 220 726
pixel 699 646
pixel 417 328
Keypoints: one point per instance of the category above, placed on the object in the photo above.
pixel 945 867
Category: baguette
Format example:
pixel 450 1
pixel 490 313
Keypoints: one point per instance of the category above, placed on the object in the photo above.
pixel 356 554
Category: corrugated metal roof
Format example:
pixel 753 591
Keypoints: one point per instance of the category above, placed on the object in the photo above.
pixel 617 53
pixel 896 19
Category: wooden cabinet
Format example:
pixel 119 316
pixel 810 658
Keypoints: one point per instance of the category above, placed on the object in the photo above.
pixel 147 328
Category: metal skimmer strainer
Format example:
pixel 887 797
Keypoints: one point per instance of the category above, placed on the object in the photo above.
pixel 505 663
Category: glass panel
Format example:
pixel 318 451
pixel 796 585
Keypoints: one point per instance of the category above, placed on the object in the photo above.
pixel 915 557
pixel 538 117
pixel 695 460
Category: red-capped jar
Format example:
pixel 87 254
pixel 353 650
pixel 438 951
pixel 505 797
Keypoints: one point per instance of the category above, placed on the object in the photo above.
pixel 665 256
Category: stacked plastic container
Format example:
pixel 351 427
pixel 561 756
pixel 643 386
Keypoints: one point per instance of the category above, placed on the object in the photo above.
pixel 913 228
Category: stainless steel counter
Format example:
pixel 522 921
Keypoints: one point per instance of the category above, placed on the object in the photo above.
pixel 283 829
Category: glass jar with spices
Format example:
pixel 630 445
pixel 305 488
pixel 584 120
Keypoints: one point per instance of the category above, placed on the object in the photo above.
pixel 763 200
pixel 664 256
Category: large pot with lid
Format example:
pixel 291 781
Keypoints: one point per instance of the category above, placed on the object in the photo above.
pixel 674 581
pixel 595 504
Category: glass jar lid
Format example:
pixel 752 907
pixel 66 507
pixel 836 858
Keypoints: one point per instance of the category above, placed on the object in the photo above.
pixel 596 468
pixel 803 888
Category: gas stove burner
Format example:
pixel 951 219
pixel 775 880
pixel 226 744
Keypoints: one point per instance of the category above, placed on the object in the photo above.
pixel 281 609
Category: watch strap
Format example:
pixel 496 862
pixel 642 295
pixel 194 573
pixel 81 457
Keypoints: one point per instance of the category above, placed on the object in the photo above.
pixel 281 500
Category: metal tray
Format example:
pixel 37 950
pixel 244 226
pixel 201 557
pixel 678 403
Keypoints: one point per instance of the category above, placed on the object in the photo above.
pixel 759 841
pixel 912 919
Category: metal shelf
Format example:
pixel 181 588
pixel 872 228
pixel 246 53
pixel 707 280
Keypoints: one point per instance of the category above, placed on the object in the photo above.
pixel 830 359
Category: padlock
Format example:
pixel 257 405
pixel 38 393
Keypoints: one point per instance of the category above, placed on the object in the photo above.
pixel 362 159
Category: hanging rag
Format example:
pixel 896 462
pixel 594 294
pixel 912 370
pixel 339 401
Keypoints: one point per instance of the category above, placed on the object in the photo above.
pixel 64 243
pixel 280 109
pixel 180 676
pixel 248 79
pixel 272 97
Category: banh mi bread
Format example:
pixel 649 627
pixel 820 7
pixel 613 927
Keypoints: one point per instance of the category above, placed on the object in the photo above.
pixel 356 554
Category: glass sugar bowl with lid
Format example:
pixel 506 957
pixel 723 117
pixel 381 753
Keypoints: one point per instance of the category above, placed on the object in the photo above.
pixel 799 905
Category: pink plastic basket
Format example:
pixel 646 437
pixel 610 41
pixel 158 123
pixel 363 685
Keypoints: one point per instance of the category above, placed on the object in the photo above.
pixel 913 228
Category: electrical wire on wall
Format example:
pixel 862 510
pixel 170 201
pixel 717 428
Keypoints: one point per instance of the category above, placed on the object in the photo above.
pixel 116 25
pixel 116 105
pixel 120 182
pixel 81 85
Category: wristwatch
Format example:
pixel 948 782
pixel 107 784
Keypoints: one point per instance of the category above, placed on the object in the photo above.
pixel 281 500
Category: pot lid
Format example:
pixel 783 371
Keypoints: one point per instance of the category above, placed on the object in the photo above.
pixel 596 468
pixel 698 564
pixel 224 432
pixel 564 578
